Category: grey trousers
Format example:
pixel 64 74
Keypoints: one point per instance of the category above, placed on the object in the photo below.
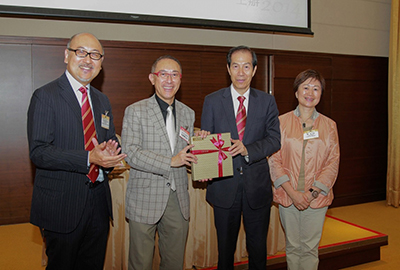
pixel 303 231
pixel 172 231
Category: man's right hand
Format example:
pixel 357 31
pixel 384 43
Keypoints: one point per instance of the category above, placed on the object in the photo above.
pixel 105 154
pixel 184 157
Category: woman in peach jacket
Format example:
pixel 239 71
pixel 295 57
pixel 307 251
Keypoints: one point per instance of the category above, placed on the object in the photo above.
pixel 304 171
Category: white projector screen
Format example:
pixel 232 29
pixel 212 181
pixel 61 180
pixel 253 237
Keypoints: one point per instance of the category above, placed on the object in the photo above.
pixel 291 16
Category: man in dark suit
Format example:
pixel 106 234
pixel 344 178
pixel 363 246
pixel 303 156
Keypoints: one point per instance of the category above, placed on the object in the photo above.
pixel 249 190
pixel 72 210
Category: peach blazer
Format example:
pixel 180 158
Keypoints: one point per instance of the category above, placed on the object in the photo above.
pixel 321 163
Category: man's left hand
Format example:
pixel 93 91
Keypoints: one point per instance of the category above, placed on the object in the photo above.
pixel 237 148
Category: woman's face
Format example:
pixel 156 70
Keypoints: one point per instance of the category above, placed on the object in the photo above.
pixel 309 93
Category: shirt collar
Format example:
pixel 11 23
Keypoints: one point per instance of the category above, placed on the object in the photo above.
pixel 235 94
pixel 164 105
pixel 314 115
pixel 74 83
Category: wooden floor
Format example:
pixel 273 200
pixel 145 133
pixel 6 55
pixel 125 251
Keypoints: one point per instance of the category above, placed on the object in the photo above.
pixel 352 235
pixel 343 244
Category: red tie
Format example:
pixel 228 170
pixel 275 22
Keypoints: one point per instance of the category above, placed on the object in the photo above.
pixel 241 117
pixel 89 131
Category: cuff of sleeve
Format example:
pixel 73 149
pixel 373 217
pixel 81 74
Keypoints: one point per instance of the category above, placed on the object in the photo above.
pixel 88 164
pixel 324 189
pixel 278 182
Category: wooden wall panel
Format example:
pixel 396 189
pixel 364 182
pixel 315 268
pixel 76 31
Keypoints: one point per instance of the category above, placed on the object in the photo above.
pixel 15 92
pixel 124 79
pixel 47 63
pixel 286 68
pixel 214 76
pixel 359 106
pixel 355 97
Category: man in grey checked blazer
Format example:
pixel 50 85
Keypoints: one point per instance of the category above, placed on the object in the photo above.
pixel 157 197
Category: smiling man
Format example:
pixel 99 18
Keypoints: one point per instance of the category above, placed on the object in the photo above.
pixel 251 116
pixel 157 198
pixel 71 200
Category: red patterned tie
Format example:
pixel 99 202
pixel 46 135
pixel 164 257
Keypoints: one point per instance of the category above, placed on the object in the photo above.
pixel 241 117
pixel 89 131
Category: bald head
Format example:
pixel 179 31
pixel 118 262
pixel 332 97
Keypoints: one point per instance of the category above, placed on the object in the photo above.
pixel 83 68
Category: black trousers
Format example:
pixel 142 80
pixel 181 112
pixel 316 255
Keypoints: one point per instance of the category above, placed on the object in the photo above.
pixel 256 222
pixel 85 247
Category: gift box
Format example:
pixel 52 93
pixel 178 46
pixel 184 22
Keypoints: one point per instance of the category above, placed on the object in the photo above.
pixel 213 158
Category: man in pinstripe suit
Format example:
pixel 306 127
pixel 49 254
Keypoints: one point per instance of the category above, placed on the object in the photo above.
pixel 157 195
pixel 72 211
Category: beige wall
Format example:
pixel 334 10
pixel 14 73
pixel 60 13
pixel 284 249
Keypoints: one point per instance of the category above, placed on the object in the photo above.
pixel 357 27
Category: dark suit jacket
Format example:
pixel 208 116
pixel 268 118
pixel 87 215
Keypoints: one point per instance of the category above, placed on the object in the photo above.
pixel 56 147
pixel 261 138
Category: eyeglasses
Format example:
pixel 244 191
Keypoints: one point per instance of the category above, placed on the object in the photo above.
pixel 82 54
pixel 164 75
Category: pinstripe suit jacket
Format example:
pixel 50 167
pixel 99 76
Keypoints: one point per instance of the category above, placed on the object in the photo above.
pixel 145 141
pixel 56 147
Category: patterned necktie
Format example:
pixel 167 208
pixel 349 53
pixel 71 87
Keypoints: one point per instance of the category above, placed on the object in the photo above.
pixel 241 117
pixel 89 131
pixel 170 125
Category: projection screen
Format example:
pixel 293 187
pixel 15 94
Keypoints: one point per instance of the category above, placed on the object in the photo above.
pixel 290 16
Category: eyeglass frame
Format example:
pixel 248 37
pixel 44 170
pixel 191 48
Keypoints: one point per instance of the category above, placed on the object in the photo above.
pixel 169 74
pixel 87 53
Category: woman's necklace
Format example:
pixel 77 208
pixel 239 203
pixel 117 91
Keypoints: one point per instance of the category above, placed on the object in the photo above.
pixel 305 121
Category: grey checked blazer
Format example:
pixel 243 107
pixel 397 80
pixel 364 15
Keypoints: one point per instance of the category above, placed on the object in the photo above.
pixel 145 141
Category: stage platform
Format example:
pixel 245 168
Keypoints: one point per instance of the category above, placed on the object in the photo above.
pixel 343 244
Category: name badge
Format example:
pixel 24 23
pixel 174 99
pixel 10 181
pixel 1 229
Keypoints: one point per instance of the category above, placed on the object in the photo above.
pixel 105 121
pixel 311 134
pixel 184 134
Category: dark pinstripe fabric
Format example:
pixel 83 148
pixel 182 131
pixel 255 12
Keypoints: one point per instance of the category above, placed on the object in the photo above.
pixel 145 141
pixel 56 147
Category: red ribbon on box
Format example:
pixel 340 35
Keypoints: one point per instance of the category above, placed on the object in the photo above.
pixel 221 155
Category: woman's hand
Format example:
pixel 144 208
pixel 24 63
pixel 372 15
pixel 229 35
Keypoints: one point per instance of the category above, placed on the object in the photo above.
pixel 300 200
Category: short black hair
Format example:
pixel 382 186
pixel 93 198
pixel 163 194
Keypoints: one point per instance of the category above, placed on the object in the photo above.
pixel 241 48
pixel 153 67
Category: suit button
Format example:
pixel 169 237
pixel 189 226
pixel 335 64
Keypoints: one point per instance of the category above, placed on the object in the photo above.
pixel 168 184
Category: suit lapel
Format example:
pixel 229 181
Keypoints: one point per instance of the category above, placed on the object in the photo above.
pixel 180 121
pixel 227 104
pixel 96 108
pixel 156 117
pixel 253 106
pixel 68 94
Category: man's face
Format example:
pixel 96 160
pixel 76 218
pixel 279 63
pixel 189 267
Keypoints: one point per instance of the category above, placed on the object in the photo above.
pixel 241 70
pixel 84 70
pixel 166 88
